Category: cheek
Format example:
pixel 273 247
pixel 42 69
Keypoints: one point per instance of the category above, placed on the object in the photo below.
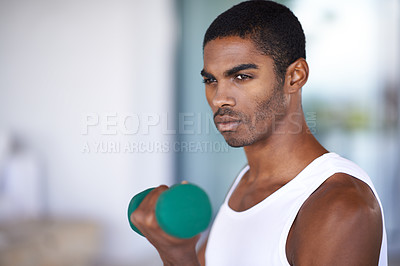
pixel 209 96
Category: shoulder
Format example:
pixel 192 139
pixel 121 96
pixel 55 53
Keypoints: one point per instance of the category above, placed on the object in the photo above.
pixel 344 196
pixel 339 224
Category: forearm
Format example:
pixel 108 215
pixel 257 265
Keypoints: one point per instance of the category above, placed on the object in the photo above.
pixel 175 259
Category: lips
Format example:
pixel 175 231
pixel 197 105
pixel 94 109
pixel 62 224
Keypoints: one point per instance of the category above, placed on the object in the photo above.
pixel 226 123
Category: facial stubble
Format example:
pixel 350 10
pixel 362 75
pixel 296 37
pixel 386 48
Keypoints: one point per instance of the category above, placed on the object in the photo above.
pixel 261 124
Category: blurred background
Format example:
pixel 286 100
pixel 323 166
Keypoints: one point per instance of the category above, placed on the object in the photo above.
pixel 100 100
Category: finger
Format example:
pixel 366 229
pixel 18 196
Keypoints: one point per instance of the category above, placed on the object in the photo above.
pixel 144 215
pixel 148 203
pixel 152 197
pixel 184 182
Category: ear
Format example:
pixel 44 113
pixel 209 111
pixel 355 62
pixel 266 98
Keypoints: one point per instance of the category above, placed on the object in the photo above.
pixel 296 75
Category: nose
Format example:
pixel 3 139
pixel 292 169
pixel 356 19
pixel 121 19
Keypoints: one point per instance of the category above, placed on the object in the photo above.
pixel 223 96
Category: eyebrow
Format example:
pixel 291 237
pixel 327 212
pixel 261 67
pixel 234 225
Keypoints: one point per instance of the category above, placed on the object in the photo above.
pixel 231 71
pixel 238 68
pixel 206 74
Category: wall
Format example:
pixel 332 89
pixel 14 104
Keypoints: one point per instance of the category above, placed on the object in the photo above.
pixel 74 74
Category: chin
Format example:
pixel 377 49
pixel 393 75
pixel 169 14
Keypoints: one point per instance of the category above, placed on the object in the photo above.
pixel 238 143
pixel 235 145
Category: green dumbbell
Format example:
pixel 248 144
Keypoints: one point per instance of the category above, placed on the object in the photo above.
pixel 182 211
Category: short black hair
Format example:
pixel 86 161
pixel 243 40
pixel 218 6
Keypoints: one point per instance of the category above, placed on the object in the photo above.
pixel 273 28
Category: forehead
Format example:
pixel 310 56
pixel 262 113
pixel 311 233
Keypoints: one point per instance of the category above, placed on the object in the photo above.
pixel 224 53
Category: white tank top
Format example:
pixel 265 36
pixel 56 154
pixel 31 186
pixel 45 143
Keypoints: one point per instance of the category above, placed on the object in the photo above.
pixel 257 236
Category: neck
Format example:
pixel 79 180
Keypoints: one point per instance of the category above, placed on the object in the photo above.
pixel 283 154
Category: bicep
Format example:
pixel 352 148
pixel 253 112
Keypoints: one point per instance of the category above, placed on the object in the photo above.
pixel 338 229
pixel 345 242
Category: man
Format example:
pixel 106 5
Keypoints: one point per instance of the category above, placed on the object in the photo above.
pixel 295 203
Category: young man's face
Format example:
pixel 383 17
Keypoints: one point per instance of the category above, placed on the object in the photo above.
pixel 242 90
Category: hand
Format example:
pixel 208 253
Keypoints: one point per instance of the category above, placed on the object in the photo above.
pixel 172 250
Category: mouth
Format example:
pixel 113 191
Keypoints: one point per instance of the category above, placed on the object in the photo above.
pixel 227 124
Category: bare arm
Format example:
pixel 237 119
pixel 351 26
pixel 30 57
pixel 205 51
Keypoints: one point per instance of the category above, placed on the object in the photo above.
pixel 340 224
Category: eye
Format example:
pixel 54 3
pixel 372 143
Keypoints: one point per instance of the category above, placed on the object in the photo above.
pixel 242 77
pixel 209 80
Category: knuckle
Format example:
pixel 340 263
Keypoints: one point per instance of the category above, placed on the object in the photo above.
pixel 137 216
pixel 150 221
pixel 162 188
